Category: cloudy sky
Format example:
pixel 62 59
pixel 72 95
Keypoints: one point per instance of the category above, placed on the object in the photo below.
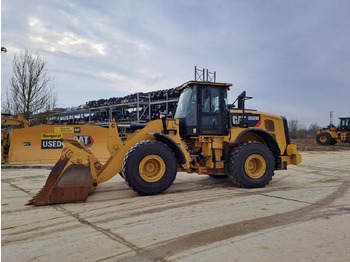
pixel 292 56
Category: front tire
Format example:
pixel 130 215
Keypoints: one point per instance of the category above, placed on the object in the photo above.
pixel 324 139
pixel 251 165
pixel 149 167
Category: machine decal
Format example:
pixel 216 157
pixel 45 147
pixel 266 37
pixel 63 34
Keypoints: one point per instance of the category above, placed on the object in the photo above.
pixel 87 140
pixel 258 124
pixel 253 120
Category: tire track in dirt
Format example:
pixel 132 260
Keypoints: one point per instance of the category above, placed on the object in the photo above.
pixel 212 235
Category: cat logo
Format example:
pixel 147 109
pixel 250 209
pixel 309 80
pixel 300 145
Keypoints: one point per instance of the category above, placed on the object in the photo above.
pixel 252 120
pixel 87 140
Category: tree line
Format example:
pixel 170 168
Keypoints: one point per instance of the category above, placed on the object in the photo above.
pixel 299 131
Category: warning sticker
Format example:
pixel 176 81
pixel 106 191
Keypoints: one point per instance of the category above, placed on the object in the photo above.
pixel 27 144
pixel 64 130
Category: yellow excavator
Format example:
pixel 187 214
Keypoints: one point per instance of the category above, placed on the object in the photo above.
pixel 206 136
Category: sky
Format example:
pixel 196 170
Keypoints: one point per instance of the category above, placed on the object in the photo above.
pixel 291 56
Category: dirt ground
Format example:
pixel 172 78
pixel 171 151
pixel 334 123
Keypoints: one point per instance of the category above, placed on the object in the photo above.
pixel 311 145
pixel 302 215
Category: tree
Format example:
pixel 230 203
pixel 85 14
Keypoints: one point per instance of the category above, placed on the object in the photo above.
pixel 297 130
pixel 312 131
pixel 293 128
pixel 29 92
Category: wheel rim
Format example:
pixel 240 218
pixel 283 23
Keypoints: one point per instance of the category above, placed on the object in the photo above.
pixel 323 139
pixel 152 168
pixel 255 166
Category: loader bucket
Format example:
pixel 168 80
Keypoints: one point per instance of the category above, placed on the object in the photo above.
pixel 72 178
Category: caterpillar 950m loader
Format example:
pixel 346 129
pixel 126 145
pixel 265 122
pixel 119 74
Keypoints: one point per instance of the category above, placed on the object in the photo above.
pixel 204 137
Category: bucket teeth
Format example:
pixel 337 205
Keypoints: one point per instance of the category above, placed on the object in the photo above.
pixel 30 202
pixel 39 199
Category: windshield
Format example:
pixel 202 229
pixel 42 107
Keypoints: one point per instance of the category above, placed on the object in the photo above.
pixel 345 122
pixel 184 102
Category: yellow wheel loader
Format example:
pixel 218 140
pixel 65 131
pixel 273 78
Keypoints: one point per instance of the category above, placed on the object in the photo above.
pixel 206 136
pixel 332 135
pixel 8 123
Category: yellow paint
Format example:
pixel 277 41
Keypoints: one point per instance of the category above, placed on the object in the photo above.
pixel 255 166
pixel 152 168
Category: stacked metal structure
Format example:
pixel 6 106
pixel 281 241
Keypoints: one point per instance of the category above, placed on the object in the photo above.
pixel 138 107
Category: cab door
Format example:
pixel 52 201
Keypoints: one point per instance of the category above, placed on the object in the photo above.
pixel 212 109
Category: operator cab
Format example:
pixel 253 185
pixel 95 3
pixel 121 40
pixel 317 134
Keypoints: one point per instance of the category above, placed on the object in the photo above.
pixel 344 124
pixel 203 109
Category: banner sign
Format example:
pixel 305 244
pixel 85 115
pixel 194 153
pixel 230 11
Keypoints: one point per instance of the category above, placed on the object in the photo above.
pixel 51 141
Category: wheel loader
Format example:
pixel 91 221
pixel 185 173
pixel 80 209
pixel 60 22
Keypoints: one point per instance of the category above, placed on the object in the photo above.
pixel 332 135
pixel 206 136
pixel 8 123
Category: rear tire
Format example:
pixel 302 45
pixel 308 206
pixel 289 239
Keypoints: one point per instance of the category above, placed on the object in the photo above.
pixel 149 167
pixel 251 165
pixel 324 139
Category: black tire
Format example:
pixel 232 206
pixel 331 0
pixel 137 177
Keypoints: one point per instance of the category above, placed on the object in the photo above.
pixel 122 175
pixel 149 167
pixel 324 139
pixel 251 165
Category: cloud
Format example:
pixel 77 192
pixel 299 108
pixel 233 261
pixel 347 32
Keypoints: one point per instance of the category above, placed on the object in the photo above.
pixel 110 76
pixel 55 40
pixel 292 57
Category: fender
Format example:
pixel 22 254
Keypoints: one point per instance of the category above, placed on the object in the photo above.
pixel 180 156
pixel 267 138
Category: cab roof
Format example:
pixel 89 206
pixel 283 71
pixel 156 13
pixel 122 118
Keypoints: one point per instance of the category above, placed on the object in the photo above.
pixel 227 85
